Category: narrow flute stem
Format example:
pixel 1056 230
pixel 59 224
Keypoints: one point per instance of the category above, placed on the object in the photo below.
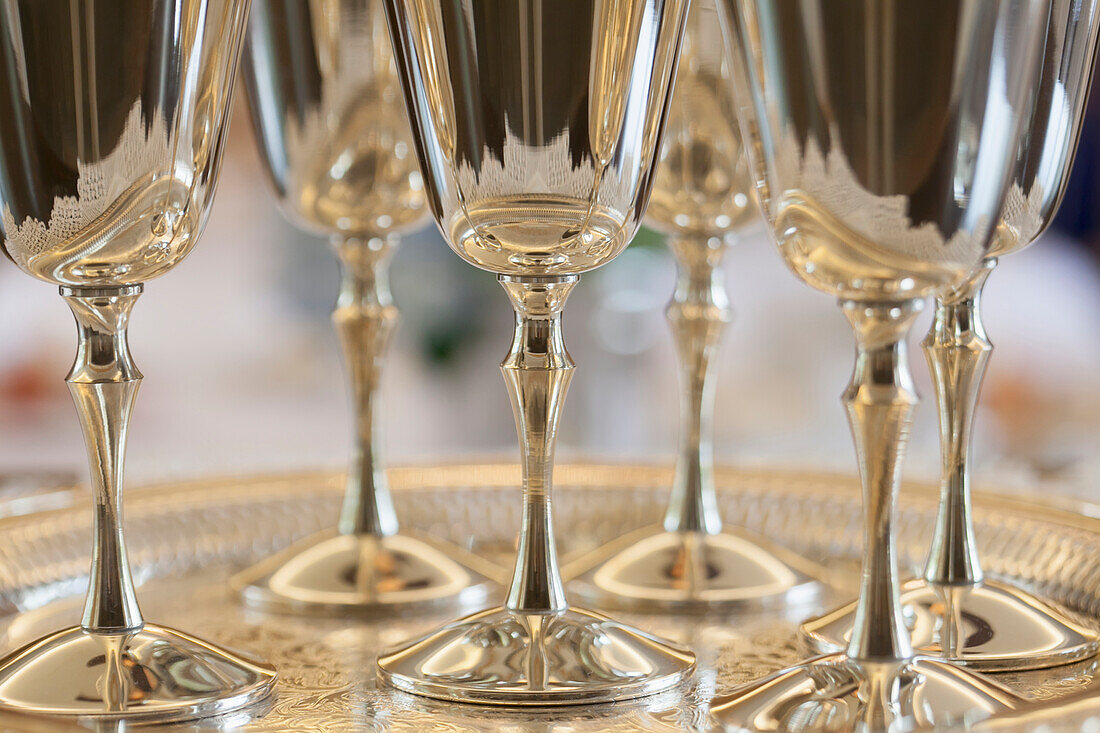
pixel 537 371
pixel 958 352
pixel 698 312
pixel 365 317
pixel 880 400
pixel 104 383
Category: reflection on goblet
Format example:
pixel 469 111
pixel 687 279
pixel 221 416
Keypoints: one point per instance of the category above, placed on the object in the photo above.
pixel 954 611
pixel 701 198
pixel 537 127
pixel 883 137
pixel 327 111
pixel 112 128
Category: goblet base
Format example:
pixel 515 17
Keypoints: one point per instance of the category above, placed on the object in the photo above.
pixel 655 570
pixel 991 627
pixel 505 657
pixel 153 675
pixel 838 693
pixel 339 574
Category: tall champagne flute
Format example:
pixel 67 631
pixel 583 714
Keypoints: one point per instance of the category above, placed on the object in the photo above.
pixel 111 132
pixel 883 137
pixel 701 199
pixel 954 611
pixel 326 107
pixel 537 127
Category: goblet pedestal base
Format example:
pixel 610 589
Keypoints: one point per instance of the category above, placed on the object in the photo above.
pixel 508 657
pixel 656 570
pixel 341 574
pixel 989 627
pixel 153 675
pixel 837 693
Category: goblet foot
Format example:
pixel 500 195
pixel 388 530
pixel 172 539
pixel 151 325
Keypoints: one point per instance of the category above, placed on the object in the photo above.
pixel 341 574
pixel 155 675
pixel 836 693
pixel 505 657
pixel 656 570
pixel 991 627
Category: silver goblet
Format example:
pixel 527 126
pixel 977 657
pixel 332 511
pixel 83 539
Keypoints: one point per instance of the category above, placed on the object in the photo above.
pixel 537 126
pixel 111 130
pixel 327 110
pixel 701 199
pixel 954 611
pixel 883 137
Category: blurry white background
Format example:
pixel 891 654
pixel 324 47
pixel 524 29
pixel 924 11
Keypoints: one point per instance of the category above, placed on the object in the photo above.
pixel 243 373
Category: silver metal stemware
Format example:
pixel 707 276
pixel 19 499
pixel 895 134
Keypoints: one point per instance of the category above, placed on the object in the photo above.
pixel 327 111
pixel 954 611
pixel 701 199
pixel 537 126
pixel 111 130
pixel 882 137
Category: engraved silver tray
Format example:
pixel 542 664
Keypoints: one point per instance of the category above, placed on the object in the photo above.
pixel 186 538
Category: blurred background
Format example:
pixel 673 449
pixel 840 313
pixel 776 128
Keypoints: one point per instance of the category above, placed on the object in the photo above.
pixel 243 373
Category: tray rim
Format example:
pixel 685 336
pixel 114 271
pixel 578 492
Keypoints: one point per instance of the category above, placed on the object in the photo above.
pixel 493 472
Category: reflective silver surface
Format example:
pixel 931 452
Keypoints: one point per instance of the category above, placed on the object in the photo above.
pixel 326 681
pixel 154 673
pixel 1018 629
pixel 112 123
pixel 111 131
pixel 836 694
pixel 675 572
pixel 326 109
pixel 991 626
pixel 701 201
pixel 365 573
pixel 882 138
pixel 567 657
pixel 537 126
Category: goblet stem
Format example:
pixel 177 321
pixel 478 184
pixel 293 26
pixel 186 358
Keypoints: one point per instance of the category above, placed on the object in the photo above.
pixel 880 400
pixel 104 383
pixel 958 352
pixel 698 312
pixel 365 317
pixel 537 371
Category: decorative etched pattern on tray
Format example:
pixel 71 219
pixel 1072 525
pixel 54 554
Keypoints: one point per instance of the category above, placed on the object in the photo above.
pixel 186 539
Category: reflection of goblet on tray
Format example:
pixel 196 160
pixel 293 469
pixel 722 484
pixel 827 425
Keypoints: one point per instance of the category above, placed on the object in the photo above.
pixel 326 107
pixel 701 199
pixel 537 126
pixel 883 136
pixel 118 110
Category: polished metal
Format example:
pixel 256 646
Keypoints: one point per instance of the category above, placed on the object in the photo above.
pixel 334 573
pixel 537 127
pixel 853 114
pixel 988 625
pixel 103 383
pixel 698 313
pixel 1035 534
pixel 701 200
pixel 880 400
pixel 326 109
pixel 152 673
pixel 537 372
pixel 993 626
pixel 112 126
pixel 536 650
pixel 675 572
pixel 514 657
pixel 837 694
pixel 365 317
